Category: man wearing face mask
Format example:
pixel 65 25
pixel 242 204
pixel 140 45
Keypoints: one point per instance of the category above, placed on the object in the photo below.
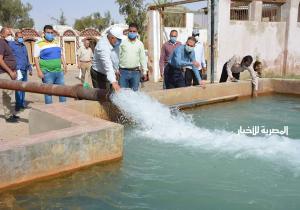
pixel 183 57
pixel 48 58
pixel 23 66
pixel 199 53
pixel 106 60
pixel 7 71
pixel 132 60
pixel 84 59
pixel 167 49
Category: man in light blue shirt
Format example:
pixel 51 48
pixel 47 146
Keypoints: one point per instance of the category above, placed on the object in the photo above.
pixel 181 59
pixel 105 63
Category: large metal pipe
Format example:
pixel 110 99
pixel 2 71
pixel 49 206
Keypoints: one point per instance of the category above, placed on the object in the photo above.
pixel 76 91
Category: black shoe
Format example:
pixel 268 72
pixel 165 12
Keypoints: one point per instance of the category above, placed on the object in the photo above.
pixel 11 119
pixel 16 117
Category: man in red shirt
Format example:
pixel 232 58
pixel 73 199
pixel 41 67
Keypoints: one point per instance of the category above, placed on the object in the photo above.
pixel 167 50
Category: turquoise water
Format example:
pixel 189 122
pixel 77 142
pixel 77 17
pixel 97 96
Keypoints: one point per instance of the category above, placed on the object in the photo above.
pixel 197 161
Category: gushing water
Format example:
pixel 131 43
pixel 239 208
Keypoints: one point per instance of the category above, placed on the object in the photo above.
pixel 156 121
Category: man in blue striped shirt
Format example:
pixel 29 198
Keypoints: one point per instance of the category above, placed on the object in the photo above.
pixel 183 57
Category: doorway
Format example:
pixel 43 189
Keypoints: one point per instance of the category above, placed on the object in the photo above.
pixel 70 53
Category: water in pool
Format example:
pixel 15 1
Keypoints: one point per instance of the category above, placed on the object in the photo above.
pixel 191 161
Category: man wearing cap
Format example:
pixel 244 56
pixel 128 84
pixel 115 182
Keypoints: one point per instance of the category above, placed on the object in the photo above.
pixel 105 63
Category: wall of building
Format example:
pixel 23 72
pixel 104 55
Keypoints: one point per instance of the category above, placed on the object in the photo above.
pixel 290 14
pixel 275 43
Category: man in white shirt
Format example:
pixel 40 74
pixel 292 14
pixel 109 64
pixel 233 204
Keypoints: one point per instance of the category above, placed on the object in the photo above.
pixel 84 59
pixel 200 54
pixel 190 77
pixel 105 63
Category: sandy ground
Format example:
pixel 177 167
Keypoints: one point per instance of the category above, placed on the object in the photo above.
pixel 15 130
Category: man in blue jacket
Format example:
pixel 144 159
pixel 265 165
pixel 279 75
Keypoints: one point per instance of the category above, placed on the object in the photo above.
pixel 23 66
pixel 183 57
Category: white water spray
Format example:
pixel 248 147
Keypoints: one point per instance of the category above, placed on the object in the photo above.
pixel 156 121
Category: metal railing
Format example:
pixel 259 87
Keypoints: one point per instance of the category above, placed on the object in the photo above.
pixel 239 10
pixel 271 12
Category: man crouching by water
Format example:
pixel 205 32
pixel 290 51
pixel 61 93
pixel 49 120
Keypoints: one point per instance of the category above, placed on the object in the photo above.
pixel 233 68
pixel 182 57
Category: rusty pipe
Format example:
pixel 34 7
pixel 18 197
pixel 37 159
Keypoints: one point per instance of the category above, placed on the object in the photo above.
pixel 76 91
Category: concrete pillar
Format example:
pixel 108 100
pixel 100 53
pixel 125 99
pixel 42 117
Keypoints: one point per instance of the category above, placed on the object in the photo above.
pixel 221 21
pixel 154 42
pixel 291 52
pixel 255 11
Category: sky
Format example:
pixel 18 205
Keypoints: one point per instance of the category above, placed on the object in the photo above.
pixel 73 9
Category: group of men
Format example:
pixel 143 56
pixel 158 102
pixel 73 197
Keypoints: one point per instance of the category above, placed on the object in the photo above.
pixel 118 61
pixel 185 65
pixel 182 65
pixel 14 64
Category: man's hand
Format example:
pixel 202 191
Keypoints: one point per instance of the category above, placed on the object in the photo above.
pixel 13 75
pixel 116 86
pixel 30 73
pixel 196 64
pixel 40 74
pixel 79 65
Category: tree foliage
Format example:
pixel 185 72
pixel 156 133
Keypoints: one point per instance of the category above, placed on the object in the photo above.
pixel 94 20
pixel 15 14
pixel 134 12
pixel 61 20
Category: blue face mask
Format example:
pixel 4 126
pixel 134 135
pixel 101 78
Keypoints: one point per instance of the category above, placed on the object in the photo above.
pixel 189 49
pixel 132 35
pixel 118 43
pixel 173 39
pixel 20 40
pixel 49 37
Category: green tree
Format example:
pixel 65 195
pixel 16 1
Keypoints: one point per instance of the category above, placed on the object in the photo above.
pixel 61 20
pixel 94 20
pixel 15 14
pixel 134 12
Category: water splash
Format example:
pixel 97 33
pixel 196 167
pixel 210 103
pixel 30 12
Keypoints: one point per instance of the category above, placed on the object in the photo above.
pixel 156 121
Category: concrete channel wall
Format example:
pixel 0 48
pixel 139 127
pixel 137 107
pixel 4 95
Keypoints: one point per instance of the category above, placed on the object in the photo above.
pixel 62 140
pixel 65 137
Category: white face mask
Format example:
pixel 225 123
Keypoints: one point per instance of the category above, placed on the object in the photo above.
pixel 9 38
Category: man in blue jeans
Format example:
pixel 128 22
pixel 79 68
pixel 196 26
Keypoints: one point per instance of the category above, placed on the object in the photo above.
pixel 133 60
pixel 23 66
pixel 48 59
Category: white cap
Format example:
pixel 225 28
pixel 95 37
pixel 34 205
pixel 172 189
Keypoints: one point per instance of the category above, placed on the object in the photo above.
pixel 116 32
